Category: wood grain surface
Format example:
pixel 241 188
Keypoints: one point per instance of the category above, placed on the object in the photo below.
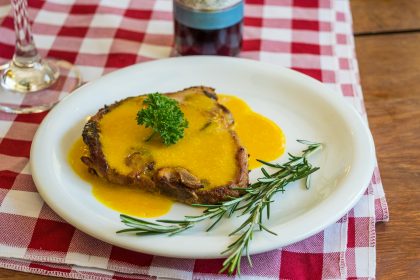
pixel 379 16
pixel 6 274
pixel 390 75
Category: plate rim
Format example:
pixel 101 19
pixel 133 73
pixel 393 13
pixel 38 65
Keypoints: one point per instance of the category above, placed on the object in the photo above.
pixel 125 242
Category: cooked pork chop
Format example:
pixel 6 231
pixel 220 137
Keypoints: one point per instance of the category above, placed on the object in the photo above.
pixel 203 167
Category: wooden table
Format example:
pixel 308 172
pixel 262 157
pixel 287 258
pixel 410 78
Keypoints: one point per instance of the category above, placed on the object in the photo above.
pixel 388 49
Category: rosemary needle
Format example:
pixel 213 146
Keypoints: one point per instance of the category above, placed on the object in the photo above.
pixel 257 197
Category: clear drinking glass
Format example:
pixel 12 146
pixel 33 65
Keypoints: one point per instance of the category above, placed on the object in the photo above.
pixel 28 83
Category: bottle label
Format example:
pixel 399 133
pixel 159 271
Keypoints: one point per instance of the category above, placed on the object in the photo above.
pixel 208 14
pixel 208 4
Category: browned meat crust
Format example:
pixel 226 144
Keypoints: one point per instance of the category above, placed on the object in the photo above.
pixel 177 183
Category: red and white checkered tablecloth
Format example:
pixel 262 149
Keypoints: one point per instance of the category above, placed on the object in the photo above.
pixel 310 36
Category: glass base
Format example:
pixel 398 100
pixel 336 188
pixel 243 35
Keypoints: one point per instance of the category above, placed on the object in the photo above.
pixel 34 90
pixel 38 76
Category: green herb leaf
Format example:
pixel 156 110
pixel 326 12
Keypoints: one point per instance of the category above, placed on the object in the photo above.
pixel 164 116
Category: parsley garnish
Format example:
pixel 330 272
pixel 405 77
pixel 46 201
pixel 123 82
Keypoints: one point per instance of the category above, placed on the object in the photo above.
pixel 164 116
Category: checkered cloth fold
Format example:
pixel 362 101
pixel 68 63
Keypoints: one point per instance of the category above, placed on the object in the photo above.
pixel 313 37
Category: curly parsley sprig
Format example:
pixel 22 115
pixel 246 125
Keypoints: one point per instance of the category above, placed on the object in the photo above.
pixel 257 198
pixel 164 116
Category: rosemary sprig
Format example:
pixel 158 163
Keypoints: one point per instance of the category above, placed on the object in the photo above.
pixel 257 197
pixel 172 227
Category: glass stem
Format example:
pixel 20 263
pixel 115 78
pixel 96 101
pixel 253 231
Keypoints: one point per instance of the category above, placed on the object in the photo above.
pixel 26 54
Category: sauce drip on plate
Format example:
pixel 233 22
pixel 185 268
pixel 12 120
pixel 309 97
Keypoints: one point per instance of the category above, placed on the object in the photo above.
pixel 262 138
pixel 124 199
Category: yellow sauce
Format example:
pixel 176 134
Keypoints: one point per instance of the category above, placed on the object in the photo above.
pixel 124 199
pixel 262 138
pixel 203 152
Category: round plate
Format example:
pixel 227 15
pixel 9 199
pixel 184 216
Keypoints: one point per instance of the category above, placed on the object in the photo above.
pixel 303 107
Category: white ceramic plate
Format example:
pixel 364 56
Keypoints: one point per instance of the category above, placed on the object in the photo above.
pixel 301 106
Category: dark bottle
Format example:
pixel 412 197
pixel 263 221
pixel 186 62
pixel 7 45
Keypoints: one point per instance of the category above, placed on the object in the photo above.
pixel 208 27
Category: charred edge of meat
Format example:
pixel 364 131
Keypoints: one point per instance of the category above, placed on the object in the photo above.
pixel 209 92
